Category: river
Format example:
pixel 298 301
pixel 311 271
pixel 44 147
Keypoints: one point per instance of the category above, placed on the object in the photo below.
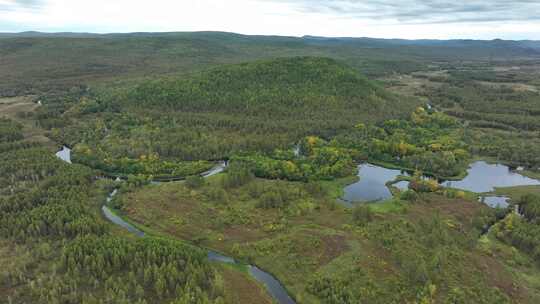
pixel 272 285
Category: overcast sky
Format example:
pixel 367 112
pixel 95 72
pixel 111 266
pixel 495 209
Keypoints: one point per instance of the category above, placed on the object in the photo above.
pixel 442 19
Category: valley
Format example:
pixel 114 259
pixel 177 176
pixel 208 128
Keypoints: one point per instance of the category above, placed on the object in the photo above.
pixel 339 171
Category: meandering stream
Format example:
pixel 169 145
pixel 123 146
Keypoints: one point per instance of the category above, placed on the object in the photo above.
pixel 272 285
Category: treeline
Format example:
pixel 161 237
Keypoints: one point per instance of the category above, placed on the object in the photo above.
pixel 257 106
pixel 279 86
pixel 149 165
pixel 507 104
pixel 516 148
pixel 501 109
pixel 316 160
pixel 428 141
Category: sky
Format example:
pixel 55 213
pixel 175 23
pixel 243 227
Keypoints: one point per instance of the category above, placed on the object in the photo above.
pixel 409 19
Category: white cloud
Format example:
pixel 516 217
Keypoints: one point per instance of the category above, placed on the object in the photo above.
pixel 279 17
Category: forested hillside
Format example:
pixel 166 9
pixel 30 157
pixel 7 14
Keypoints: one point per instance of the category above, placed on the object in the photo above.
pixel 164 126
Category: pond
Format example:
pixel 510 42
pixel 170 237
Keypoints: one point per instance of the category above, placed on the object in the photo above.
pixel 495 201
pixel 483 177
pixel 372 184
pixel 64 154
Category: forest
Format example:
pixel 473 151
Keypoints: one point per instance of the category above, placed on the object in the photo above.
pixel 214 115
pixel 56 248
pixel 292 118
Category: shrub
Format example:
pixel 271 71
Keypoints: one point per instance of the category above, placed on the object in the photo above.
pixel 409 195
pixel 237 175
pixel 315 189
pixel 195 181
pixel 424 185
pixel 218 195
pixel 271 199
pixel 362 215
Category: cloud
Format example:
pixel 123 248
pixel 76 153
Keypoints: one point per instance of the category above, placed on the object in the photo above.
pixel 423 11
pixel 16 5
pixel 411 19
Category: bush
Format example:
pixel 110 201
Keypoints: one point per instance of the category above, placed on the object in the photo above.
pixel 271 199
pixel 218 195
pixel 529 206
pixel 362 215
pixel 409 195
pixel 195 181
pixel 424 185
pixel 237 175
pixel 315 189
pixel 255 190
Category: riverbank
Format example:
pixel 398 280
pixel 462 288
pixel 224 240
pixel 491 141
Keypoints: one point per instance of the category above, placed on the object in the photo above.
pixel 266 280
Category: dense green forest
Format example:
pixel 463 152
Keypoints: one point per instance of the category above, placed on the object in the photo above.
pixel 56 248
pixel 168 126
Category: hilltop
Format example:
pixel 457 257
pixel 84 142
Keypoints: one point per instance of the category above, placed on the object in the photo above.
pixel 214 114
pixel 285 86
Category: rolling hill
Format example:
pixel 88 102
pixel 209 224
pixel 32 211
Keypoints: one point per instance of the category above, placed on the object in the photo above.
pixel 35 62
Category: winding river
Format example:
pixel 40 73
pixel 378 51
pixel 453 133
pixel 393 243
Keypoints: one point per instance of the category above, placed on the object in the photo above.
pixel 272 285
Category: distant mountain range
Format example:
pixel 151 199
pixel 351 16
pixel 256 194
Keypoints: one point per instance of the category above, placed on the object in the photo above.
pixel 425 42
pixel 35 61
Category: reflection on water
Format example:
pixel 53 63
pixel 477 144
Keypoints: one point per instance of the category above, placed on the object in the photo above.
pixel 402 185
pixel 372 184
pixel 64 154
pixel 481 177
pixel 215 170
pixel 120 222
pixel 484 177
pixel 495 201
pixel 218 257
pixel 273 286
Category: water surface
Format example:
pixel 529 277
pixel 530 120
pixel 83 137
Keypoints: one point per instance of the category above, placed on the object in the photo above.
pixel 64 154
pixel 273 286
pixel 495 201
pixel 372 184
pixel 483 177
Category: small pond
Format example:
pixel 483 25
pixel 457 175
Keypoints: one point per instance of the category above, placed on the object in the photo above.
pixel 64 154
pixel 372 184
pixel 483 177
pixel 495 201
